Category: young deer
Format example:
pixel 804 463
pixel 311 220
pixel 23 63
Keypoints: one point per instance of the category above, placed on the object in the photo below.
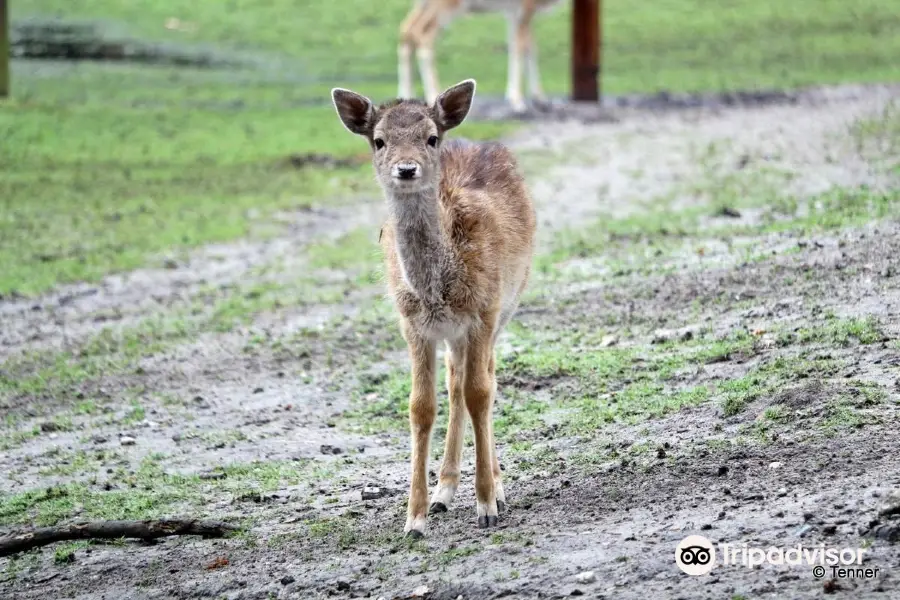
pixel 423 23
pixel 458 248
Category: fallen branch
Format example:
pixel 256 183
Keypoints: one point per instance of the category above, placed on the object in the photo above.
pixel 20 541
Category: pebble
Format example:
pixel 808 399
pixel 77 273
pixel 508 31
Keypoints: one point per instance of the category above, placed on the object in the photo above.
pixel 329 449
pixel 372 493
pixel 586 577
pixel 127 440
pixel 890 505
pixel 287 580
pixel 609 340
pixel 775 465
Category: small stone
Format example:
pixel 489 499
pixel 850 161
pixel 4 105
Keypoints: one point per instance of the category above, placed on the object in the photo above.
pixel 586 577
pixel 329 449
pixel 49 426
pixel 775 465
pixel 705 527
pixel 127 440
pixel 888 532
pixel 372 493
pixel 891 505
pixel 421 591
pixel 727 211
pixel 258 390
pixel 660 452
pixel 661 336
pixel 212 475
pixel 609 341
pixel 99 439
pixel 722 471
pixel 287 580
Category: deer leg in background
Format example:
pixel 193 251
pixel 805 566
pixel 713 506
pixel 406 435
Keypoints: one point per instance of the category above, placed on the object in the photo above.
pixel 431 25
pixel 535 89
pixel 514 64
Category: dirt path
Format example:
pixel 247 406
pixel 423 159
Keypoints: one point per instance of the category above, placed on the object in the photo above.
pixel 731 374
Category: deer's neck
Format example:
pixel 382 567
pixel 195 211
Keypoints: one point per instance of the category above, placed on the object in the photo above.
pixel 422 245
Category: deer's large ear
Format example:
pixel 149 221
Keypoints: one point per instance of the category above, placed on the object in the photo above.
pixel 452 106
pixel 357 112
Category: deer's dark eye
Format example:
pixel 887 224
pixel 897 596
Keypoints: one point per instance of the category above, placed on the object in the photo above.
pixel 432 141
pixel 379 143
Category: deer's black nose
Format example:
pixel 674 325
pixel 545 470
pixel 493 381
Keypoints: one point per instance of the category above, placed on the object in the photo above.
pixel 407 171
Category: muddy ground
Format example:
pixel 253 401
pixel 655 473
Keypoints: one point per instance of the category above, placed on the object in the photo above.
pixel 709 346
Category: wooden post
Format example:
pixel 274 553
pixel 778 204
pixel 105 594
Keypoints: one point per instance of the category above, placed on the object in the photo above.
pixel 586 40
pixel 4 49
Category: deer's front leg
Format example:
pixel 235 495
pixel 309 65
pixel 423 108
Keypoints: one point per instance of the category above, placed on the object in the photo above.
pixel 479 393
pixel 422 408
pixel 448 481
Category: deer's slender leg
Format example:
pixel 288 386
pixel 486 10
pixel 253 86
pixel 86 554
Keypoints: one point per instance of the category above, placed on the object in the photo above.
pixel 404 68
pixel 535 89
pixel 479 393
pixel 495 465
pixel 410 32
pixel 514 65
pixel 422 409
pixel 448 480
pixel 430 27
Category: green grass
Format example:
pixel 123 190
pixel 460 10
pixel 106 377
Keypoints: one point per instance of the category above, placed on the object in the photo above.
pixel 678 44
pixel 109 167
pixel 639 242
pixel 148 492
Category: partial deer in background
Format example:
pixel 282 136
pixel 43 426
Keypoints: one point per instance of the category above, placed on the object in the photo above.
pixel 425 21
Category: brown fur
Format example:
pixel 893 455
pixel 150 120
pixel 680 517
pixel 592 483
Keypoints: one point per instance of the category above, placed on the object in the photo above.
pixel 457 247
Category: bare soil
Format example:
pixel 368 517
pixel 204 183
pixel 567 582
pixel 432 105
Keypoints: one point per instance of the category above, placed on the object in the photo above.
pixel 821 473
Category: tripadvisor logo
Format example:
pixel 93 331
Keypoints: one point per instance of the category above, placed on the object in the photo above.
pixel 695 555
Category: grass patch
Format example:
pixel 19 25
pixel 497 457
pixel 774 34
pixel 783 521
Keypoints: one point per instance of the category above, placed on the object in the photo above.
pixel 839 332
pixel 641 243
pixel 765 380
pixel 682 45
pixel 148 492
pixel 381 402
